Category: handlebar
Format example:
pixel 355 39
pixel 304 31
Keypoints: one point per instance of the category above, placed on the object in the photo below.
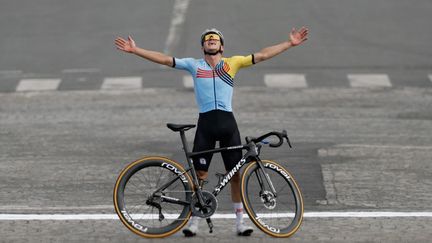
pixel 280 135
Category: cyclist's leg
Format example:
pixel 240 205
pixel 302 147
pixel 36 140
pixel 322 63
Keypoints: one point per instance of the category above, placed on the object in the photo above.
pixel 231 158
pixel 230 136
pixel 203 141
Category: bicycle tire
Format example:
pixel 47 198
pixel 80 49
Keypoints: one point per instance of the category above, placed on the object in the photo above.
pixel 283 221
pixel 137 182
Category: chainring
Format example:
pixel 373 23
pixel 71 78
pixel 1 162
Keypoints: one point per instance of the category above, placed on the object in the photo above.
pixel 209 207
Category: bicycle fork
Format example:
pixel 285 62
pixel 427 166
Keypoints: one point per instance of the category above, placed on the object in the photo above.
pixel 266 197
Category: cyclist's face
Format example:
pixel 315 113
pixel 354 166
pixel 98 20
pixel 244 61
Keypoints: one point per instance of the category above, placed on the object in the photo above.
pixel 212 45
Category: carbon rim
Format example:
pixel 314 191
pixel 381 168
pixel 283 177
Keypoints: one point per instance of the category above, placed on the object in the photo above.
pixel 280 218
pixel 134 186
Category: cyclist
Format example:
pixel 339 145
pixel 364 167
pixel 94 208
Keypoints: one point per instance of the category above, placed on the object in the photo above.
pixel 213 78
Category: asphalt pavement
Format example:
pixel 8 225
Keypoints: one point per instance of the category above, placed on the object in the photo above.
pixel 355 150
pixel 355 100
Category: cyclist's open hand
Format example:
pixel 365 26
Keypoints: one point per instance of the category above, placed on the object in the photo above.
pixel 125 45
pixel 298 37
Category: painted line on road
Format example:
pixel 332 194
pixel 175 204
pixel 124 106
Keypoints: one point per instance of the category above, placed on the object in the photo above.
pixel 354 214
pixel 178 18
pixel 23 208
pixel 122 83
pixel 369 80
pixel 188 82
pixel 340 149
pixel 38 85
pixel 368 214
pixel 81 70
pixel 10 72
pixel 285 80
pixel 430 77
pixel 383 146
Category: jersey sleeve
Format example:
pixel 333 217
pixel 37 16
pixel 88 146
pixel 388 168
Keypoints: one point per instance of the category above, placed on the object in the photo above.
pixel 242 61
pixel 237 62
pixel 183 63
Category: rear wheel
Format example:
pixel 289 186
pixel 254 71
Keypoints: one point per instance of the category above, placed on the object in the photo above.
pixel 278 215
pixel 142 208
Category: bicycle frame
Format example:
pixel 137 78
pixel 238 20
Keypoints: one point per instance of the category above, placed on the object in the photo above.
pixel 253 151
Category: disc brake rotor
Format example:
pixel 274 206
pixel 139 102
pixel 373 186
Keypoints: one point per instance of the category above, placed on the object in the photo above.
pixel 268 199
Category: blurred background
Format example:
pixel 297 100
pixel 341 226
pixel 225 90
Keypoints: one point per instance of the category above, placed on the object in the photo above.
pixel 46 37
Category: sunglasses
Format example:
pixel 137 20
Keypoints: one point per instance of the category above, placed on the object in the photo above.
pixel 211 37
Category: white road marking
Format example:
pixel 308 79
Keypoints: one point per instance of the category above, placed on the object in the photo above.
pixel 285 80
pixel 188 82
pixel 38 85
pixel 385 146
pixel 430 77
pixel 178 18
pixel 122 83
pixel 367 214
pixel 6 208
pixel 10 72
pixel 6 217
pixel 341 148
pixel 340 214
pixel 81 70
pixel 369 80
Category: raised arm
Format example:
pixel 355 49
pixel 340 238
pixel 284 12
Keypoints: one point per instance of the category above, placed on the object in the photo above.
pixel 295 39
pixel 129 46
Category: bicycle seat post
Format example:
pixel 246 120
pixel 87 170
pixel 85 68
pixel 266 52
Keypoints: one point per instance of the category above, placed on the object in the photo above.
pixel 186 148
pixel 189 159
pixel 184 142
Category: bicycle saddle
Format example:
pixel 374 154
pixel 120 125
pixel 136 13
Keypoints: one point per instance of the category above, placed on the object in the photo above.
pixel 180 127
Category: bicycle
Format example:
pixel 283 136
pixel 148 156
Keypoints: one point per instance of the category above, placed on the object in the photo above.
pixel 154 197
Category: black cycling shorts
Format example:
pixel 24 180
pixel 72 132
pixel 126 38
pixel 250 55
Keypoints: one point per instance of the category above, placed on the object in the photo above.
pixel 216 125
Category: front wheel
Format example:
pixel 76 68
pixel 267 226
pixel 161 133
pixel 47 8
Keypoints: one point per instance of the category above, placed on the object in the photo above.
pixel 277 214
pixel 152 197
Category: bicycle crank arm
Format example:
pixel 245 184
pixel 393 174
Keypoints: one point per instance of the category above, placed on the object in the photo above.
pixel 210 225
